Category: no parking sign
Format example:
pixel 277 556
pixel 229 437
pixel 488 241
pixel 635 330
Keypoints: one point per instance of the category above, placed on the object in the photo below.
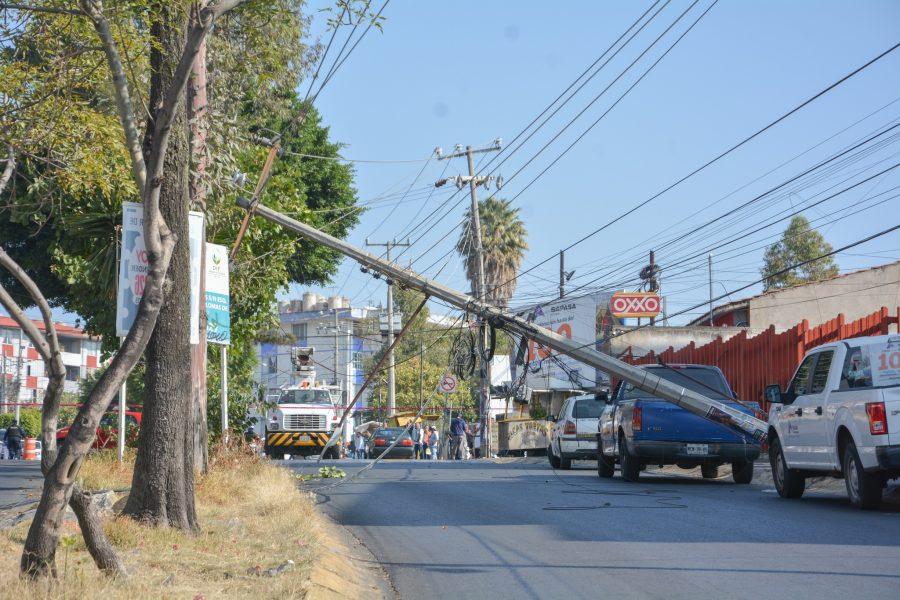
pixel 447 384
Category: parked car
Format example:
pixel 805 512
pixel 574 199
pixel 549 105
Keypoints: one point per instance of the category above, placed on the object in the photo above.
pixel 573 435
pixel 382 439
pixel 4 451
pixel 840 416
pixel 108 429
pixel 644 430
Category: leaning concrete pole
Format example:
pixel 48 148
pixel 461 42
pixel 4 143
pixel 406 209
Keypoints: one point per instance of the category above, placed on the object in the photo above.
pixel 642 379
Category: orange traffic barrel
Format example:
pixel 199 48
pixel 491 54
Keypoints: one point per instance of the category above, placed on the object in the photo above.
pixel 30 449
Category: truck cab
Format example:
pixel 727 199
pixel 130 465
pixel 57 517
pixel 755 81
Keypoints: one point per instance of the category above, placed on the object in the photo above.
pixel 301 419
pixel 839 416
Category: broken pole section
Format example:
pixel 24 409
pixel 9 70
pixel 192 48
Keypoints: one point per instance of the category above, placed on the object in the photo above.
pixel 642 379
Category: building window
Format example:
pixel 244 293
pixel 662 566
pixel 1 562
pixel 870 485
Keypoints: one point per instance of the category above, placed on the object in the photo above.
pixel 73 373
pixel 273 364
pixel 27 370
pixel 299 331
pixel 5 336
pixel 358 361
pixel 72 345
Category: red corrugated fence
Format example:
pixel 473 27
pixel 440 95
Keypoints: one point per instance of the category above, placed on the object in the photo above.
pixel 751 363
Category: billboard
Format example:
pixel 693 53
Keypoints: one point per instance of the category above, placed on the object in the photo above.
pixel 635 304
pixel 576 319
pixel 133 268
pixel 218 298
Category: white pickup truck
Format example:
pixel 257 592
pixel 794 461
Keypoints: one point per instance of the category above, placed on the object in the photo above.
pixel 839 416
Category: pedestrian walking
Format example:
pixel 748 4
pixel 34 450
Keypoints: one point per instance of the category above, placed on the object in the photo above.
pixel 15 435
pixel 434 443
pixel 458 446
pixel 418 446
pixel 359 440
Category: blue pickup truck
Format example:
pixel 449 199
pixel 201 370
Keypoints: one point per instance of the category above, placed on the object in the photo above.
pixel 638 429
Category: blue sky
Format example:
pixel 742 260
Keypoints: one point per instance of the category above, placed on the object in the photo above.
pixel 467 72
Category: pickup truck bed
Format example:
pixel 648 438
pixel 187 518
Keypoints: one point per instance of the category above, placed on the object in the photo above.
pixel 643 430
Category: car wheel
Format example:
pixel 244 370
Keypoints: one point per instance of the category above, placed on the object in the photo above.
pixel 709 471
pixel 863 488
pixel 554 460
pixel 606 465
pixel 742 472
pixel 565 463
pixel 788 482
pixel 631 468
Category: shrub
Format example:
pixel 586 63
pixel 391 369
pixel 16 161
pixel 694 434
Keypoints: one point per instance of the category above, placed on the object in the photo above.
pixel 29 419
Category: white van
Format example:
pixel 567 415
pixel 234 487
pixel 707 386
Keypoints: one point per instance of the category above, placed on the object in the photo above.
pixel 840 415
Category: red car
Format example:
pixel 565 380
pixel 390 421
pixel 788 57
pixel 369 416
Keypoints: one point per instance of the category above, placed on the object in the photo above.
pixel 107 431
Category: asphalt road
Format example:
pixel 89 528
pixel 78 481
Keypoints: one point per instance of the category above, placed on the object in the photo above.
pixel 521 530
pixel 20 480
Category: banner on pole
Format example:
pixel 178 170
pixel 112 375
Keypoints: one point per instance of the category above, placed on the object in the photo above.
pixel 218 299
pixel 133 267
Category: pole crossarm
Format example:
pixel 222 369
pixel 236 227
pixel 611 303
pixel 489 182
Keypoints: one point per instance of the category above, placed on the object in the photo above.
pixel 642 379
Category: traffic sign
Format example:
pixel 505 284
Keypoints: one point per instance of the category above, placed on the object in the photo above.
pixel 635 304
pixel 448 384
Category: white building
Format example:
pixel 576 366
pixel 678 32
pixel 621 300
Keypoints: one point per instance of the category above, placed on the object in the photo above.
pixel 343 338
pixel 22 376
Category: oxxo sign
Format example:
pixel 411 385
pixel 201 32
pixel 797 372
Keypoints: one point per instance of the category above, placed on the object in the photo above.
pixel 635 304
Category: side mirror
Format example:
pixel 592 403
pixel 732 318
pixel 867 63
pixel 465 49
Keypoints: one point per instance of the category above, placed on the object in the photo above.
pixel 773 394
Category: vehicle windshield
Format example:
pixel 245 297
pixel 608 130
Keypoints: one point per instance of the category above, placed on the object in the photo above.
pixel 390 432
pixel 588 409
pixel 703 381
pixel 305 397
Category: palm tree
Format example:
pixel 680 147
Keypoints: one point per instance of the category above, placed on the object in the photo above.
pixel 503 239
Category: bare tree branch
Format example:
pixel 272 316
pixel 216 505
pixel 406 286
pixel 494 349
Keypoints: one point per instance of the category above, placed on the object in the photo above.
pixel 94 11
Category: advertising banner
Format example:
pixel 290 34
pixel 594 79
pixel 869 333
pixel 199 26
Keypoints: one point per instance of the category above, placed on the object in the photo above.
pixel 576 319
pixel 218 299
pixel 132 267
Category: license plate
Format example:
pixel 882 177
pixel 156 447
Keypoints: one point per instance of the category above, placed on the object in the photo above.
pixel 697 449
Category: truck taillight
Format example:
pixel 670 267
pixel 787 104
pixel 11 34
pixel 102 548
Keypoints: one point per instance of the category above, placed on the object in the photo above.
pixel 569 428
pixel 636 416
pixel 877 418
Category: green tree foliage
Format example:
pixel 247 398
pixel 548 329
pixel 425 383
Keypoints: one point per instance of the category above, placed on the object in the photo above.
pixel 62 213
pixel 798 243
pixel 503 238
pixel 29 419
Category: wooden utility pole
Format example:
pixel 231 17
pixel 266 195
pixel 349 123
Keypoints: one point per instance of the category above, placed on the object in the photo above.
pixel 392 382
pixel 480 291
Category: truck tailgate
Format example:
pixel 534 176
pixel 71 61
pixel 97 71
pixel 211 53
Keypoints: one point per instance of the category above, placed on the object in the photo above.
pixel 665 421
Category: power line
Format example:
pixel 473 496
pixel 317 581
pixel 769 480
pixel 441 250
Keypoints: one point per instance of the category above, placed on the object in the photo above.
pixel 719 156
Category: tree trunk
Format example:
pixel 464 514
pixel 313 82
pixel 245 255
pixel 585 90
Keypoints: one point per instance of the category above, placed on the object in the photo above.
pixel 162 490
pixel 198 117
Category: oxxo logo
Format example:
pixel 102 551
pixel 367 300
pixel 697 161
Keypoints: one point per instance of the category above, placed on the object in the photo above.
pixel 635 304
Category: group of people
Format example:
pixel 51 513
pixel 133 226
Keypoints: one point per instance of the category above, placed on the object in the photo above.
pixel 426 442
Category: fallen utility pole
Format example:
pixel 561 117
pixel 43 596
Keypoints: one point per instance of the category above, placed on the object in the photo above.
pixel 642 379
